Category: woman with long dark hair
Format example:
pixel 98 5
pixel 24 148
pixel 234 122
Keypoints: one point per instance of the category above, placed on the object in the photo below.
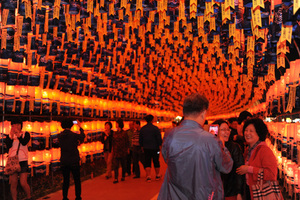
pixel 233 183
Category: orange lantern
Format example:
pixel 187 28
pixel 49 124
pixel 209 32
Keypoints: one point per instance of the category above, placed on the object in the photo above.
pixel 5 127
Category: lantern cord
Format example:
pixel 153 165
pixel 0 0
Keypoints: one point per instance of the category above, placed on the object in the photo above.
pixel 2 132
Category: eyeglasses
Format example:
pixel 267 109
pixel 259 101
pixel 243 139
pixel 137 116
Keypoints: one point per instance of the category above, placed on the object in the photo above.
pixel 226 130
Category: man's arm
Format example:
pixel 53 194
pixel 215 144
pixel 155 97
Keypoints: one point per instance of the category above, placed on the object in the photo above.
pixel 81 135
pixel 223 159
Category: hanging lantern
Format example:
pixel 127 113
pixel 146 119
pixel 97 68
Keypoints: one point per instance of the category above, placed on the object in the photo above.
pixel 62 98
pixel 72 105
pixel 38 100
pixel 9 99
pixel 46 101
pixel 54 131
pixel 55 102
pixel 39 166
pixel 4 69
pixel 86 107
pixel 55 159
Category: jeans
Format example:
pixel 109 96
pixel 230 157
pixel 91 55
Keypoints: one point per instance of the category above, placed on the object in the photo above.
pixel 75 169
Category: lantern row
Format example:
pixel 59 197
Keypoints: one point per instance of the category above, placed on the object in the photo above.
pixel 151 52
pixel 285 141
pixel 280 97
pixel 25 99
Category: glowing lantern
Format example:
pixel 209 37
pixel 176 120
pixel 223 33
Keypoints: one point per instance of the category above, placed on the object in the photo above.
pixel 54 131
pixel 47 156
pixel 3 159
pixel 5 127
pixel 72 104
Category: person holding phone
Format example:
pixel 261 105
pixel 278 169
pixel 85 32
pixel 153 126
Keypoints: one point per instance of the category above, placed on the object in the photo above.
pixel 233 183
pixel 15 139
pixel 195 157
pixel 69 160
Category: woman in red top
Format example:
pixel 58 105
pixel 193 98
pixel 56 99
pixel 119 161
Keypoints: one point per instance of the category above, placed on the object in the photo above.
pixel 257 156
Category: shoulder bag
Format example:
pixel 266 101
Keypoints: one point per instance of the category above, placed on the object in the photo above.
pixel 12 164
pixel 266 191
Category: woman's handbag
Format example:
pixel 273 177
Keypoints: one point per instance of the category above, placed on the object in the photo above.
pixel 266 191
pixel 12 164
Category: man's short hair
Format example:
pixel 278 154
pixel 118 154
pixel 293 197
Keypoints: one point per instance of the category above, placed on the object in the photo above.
pixel 194 104
pixel 232 119
pixel 109 123
pixel 120 123
pixel 244 116
pixel 149 118
pixel 66 123
pixel 138 122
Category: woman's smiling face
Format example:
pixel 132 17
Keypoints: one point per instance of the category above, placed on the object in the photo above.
pixel 224 132
pixel 251 135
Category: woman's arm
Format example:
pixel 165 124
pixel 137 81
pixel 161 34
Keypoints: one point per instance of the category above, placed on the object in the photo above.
pixel 24 141
pixel 8 142
pixel 269 164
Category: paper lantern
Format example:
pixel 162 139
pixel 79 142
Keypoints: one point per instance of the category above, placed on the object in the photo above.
pixel 3 159
pixel 5 127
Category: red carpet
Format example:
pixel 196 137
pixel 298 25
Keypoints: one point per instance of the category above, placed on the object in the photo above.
pixel 130 189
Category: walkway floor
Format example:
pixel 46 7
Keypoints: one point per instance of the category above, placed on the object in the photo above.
pixel 130 189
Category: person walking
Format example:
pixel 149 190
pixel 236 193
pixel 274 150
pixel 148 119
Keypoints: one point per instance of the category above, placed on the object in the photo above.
pixel 150 141
pixel 194 157
pixel 17 142
pixel 106 139
pixel 69 160
pixel 120 150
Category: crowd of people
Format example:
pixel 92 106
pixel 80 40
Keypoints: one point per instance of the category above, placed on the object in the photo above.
pixel 200 165
pixel 224 165
pixel 131 147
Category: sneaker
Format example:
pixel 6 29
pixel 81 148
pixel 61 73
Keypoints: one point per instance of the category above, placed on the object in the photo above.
pixel 148 179
pixel 116 181
pixel 136 177
pixel 123 179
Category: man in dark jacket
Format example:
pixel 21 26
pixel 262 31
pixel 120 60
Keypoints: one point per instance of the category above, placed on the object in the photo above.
pixel 69 160
pixel 150 141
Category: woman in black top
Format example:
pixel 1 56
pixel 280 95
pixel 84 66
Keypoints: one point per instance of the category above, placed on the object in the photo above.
pixel 233 183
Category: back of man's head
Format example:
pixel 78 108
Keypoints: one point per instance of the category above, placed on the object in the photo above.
pixel 149 118
pixel 194 104
pixel 66 123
